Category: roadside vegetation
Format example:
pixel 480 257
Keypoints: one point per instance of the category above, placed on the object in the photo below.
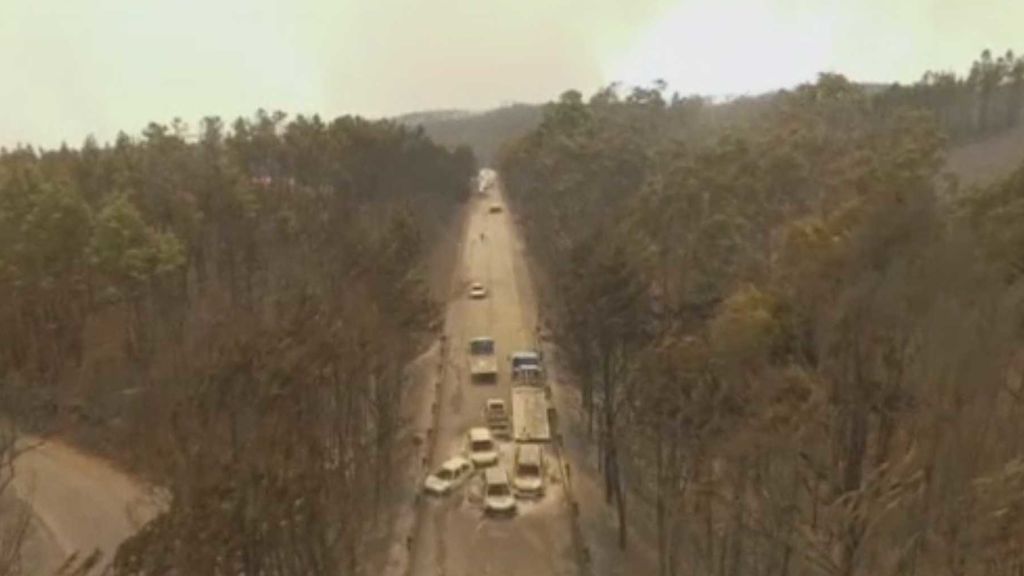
pixel 228 314
pixel 793 350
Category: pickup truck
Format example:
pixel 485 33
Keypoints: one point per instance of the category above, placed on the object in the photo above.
pixel 483 365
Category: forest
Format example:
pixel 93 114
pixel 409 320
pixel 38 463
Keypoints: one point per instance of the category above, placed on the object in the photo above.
pixel 983 101
pixel 797 340
pixel 227 313
pixel 798 350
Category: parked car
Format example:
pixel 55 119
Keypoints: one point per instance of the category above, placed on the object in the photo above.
pixel 477 291
pixel 528 474
pixel 449 476
pixel 495 209
pixel 498 496
pixel 483 451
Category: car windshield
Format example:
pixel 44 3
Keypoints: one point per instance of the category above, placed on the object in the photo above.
pixel 482 446
pixel 497 490
pixel 524 361
pixel 445 474
pixel 480 347
pixel 529 470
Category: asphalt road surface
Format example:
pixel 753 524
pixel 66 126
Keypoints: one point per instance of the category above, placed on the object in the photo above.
pixel 454 537
pixel 81 504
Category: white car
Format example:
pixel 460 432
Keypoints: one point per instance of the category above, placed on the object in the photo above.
pixel 496 416
pixel 483 451
pixel 528 476
pixel 498 497
pixel 448 477
pixel 477 291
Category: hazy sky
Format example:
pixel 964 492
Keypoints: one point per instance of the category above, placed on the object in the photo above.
pixel 73 67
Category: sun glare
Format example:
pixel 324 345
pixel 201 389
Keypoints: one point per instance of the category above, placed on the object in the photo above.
pixel 729 47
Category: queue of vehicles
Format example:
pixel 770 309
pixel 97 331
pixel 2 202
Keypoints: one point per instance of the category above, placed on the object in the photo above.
pixel 524 421
pixel 526 424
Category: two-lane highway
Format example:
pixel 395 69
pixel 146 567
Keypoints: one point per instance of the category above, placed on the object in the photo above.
pixel 456 538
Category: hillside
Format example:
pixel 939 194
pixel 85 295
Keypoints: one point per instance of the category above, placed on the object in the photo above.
pixel 485 132
pixel 979 162
pixel 988 160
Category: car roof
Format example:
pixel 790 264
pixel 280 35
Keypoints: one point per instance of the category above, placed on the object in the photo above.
pixel 525 354
pixel 529 453
pixel 476 434
pixel 481 339
pixel 455 463
pixel 495 402
pixel 495 476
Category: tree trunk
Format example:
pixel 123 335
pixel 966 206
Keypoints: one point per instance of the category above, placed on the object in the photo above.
pixel 660 504
pixel 620 500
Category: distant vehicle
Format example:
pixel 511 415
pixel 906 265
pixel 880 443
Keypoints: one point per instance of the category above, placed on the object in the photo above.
pixel 498 496
pixel 528 475
pixel 496 209
pixel 530 414
pixel 526 363
pixel 483 364
pixel 486 180
pixel 496 417
pixel 448 477
pixel 482 450
pixel 477 291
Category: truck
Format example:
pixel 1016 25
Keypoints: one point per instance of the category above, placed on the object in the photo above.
pixel 483 365
pixel 526 367
pixel 530 414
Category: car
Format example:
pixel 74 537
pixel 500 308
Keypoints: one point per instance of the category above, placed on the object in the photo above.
pixel 528 474
pixel 495 209
pixel 483 451
pixel 477 291
pixel 496 416
pixel 498 496
pixel 483 364
pixel 449 476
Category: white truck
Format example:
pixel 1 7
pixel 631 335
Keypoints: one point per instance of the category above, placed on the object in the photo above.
pixel 530 414
pixel 526 367
pixel 483 364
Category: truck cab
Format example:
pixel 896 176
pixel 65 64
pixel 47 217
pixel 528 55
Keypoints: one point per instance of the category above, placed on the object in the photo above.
pixel 526 365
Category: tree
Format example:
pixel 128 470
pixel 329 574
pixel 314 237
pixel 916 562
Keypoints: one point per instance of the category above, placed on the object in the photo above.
pixel 45 228
pixel 131 258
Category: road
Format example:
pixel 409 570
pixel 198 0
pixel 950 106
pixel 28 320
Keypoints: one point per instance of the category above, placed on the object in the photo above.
pixel 454 538
pixel 81 503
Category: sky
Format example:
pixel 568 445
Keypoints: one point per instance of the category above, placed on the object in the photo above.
pixel 70 68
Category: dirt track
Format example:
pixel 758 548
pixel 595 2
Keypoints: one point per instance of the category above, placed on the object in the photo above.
pixel 81 503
